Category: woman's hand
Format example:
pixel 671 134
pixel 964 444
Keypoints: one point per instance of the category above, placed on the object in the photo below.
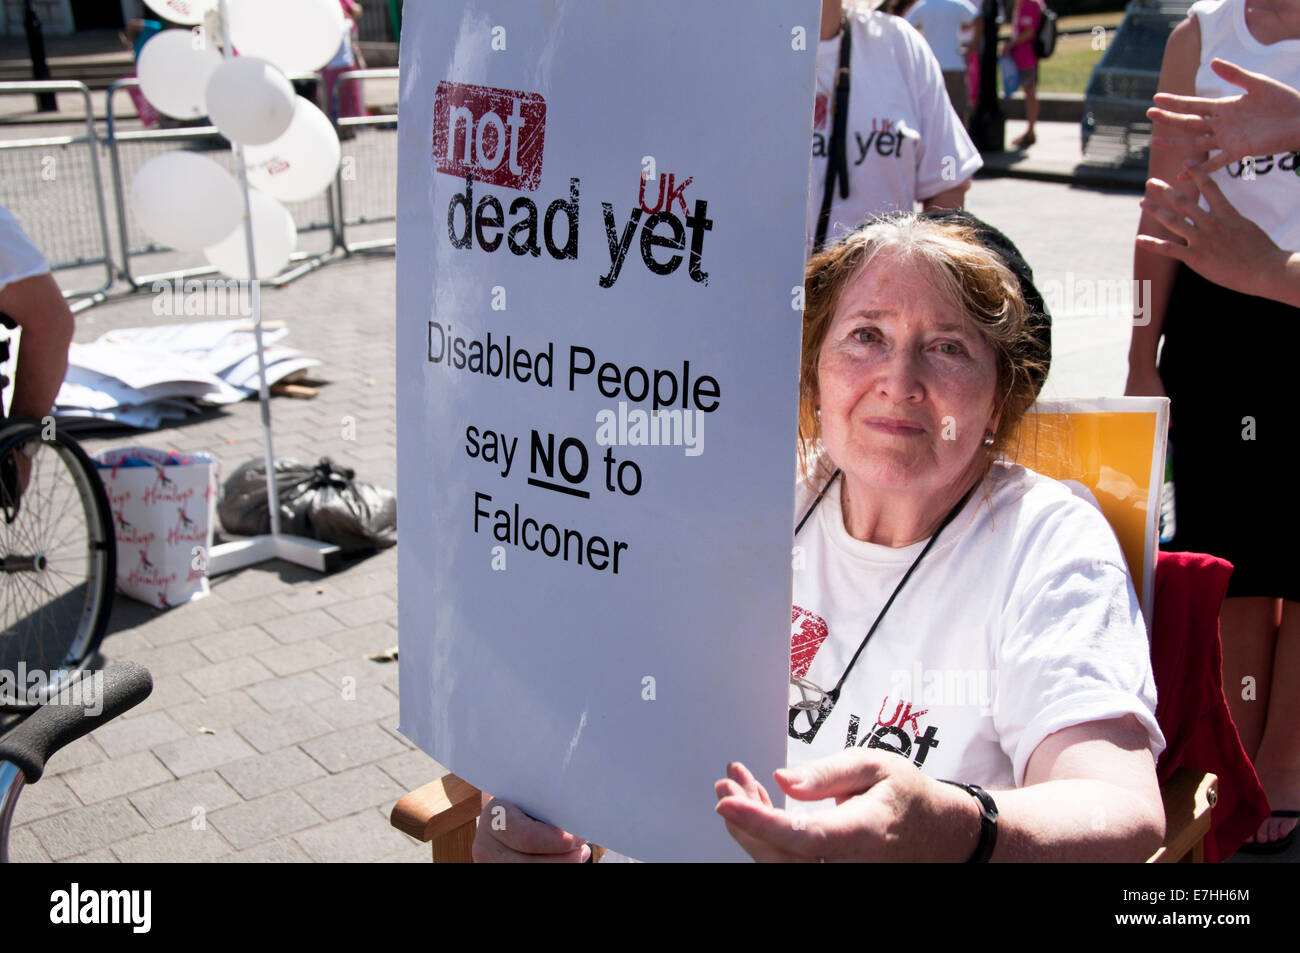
pixel 886 809
pixel 1221 245
pixel 508 835
pixel 1261 121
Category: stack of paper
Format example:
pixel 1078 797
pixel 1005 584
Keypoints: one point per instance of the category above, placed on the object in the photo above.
pixel 146 377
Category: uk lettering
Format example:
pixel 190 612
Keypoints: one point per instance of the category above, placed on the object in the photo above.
pixel 900 733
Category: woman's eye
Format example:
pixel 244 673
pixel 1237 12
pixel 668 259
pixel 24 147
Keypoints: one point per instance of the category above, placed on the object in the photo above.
pixel 948 347
pixel 865 336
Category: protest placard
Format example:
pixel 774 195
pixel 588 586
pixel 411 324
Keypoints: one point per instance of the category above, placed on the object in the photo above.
pixel 600 292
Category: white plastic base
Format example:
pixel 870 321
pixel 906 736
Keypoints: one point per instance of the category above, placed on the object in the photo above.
pixel 310 553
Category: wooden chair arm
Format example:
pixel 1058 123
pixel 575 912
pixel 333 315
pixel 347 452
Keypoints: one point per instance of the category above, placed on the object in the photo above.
pixel 1189 796
pixel 443 813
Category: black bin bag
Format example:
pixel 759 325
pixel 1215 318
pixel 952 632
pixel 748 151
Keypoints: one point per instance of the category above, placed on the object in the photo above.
pixel 324 502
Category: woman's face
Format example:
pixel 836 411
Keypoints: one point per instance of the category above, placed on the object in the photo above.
pixel 906 384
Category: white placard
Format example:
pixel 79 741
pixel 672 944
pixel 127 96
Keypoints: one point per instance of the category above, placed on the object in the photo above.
pixel 602 211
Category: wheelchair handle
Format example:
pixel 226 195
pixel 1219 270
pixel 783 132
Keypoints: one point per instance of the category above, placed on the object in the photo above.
pixel 55 724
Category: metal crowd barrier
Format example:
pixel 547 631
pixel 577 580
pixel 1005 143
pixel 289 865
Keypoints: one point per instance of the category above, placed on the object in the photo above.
pixel 49 184
pixel 130 149
pixel 367 179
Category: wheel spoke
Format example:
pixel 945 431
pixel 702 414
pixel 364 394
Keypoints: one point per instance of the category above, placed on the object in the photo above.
pixel 50 615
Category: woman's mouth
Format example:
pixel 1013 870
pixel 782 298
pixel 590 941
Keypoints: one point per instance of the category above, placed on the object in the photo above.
pixel 895 426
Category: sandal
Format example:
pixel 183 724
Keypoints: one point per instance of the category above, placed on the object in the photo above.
pixel 1279 846
pixel 1025 141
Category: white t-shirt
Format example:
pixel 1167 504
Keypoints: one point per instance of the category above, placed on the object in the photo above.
pixel 19 258
pixel 1020 621
pixel 947 24
pixel 904 142
pixel 1272 198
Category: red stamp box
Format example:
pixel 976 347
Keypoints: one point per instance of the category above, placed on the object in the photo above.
pixel 494 135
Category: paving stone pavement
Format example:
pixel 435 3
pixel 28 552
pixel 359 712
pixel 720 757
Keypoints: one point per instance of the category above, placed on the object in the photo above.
pixel 269 736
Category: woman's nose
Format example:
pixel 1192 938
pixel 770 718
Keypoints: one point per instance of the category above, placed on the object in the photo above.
pixel 900 376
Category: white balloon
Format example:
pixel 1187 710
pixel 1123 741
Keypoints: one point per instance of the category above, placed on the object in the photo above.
pixel 299 36
pixel 250 101
pixel 189 12
pixel 174 69
pixel 302 162
pixel 185 201
pixel 274 236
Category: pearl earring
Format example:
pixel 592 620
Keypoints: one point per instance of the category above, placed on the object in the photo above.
pixel 988 438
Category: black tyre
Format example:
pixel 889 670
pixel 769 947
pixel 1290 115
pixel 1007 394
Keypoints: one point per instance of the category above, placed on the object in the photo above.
pixel 58 561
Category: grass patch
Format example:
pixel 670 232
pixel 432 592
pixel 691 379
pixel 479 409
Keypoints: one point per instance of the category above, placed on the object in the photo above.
pixel 1070 67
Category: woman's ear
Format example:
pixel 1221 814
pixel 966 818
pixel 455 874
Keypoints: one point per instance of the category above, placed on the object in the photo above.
pixel 995 421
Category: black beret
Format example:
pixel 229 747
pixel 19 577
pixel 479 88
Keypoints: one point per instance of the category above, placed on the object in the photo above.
pixel 1039 317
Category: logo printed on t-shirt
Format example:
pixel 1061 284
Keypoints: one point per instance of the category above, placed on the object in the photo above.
pixel 900 732
pixel 885 138
pixel 1252 166
pixel 807 632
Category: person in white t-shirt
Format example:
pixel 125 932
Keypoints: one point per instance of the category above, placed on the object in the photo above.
pixel 951 27
pixel 1230 249
pixel 954 620
pixel 32 301
pixel 1229 244
pixel 903 142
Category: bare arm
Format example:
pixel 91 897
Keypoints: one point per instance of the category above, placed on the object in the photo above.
pixel 37 306
pixel 1017 38
pixel 1153 272
pixel 954 197
pixel 1090 794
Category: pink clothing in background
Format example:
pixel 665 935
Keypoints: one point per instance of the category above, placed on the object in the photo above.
pixel 1030 15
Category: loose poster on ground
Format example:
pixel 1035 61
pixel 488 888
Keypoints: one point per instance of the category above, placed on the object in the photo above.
pixel 600 267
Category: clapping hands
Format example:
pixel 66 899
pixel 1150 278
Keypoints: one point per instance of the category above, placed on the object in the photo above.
pixel 1262 120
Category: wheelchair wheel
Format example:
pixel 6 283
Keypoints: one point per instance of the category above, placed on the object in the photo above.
pixel 58 562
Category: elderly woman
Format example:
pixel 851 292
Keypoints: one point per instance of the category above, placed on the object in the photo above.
pixel 925 559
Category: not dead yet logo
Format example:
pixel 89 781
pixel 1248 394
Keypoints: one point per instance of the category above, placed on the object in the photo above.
pixel 897 729
pixel 495 137
pixel 885 138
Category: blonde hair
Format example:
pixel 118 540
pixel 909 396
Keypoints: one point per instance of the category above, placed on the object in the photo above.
pixel 972 277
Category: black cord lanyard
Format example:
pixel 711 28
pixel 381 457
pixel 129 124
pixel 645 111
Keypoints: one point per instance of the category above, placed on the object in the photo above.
pixel 818 716
pixel 837 161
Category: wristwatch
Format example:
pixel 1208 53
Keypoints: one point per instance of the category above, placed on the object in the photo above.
pixel 988 822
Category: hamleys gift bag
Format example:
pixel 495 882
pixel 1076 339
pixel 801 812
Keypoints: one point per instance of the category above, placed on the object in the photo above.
pixel 163 504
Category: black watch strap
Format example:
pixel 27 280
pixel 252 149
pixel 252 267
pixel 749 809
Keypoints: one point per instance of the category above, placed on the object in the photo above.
pixel 988 822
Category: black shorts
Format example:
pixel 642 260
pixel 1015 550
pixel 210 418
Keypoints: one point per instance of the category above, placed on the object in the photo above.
pixel 1229 365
